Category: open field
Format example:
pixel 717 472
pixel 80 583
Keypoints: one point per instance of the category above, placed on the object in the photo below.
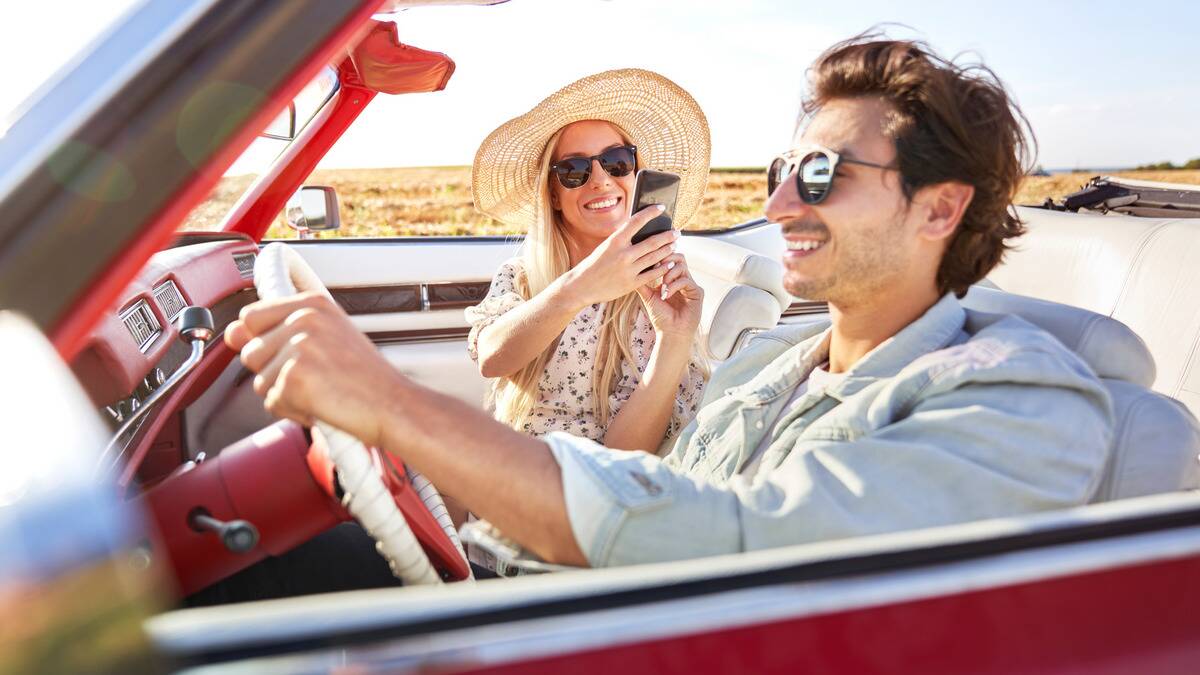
pixel 437 201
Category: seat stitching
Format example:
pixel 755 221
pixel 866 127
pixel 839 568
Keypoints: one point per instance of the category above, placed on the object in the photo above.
pixel 1143 245
pixel 1137 259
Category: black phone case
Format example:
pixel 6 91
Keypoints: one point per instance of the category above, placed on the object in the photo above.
pixel 655 187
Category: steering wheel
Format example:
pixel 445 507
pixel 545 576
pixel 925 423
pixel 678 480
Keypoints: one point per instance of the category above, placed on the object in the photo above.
pixel 389 500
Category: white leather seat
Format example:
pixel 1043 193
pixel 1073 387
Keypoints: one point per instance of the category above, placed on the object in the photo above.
pixel 1157 439
pixel 743 292
pixel 1143 272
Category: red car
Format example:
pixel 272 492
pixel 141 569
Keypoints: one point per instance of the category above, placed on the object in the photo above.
pixel 144 469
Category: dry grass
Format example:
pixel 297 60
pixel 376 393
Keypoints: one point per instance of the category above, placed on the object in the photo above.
pixel 437 201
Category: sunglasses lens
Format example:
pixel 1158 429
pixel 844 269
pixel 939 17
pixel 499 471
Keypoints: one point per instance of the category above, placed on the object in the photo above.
pixel 815 177
pixel 573 171
pixel 775 174
pixel 618 162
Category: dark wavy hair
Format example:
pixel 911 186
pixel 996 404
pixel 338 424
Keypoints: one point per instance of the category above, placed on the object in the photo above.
pixel 949 122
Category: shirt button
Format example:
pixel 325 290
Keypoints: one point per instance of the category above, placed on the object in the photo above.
pixel 758 424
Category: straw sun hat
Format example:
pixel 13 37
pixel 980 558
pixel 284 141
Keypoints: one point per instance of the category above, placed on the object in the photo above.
pixel 663 120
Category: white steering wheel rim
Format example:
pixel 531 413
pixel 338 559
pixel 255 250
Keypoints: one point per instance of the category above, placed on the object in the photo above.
pixel 279 272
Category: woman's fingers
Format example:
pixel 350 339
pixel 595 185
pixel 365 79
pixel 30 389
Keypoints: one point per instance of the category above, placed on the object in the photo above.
pixel 676 267
pixel 655 256
pixel 636 222
pixel 651 276
pixel 684 285
pixel 654 243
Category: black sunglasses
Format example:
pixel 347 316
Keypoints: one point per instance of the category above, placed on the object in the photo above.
pixel 574 172
pixel 814 171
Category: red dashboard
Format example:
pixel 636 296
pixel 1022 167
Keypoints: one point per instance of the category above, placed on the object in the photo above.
pixel 269 479
pixel 138 335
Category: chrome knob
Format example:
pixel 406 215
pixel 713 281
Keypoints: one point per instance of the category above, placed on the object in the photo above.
pixel 196 323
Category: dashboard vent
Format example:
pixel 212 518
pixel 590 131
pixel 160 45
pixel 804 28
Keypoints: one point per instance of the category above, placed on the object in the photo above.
pixel 142 324
pixel 245 264
pixel 169 299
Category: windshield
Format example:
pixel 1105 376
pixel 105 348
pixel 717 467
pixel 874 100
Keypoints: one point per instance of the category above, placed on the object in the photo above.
pixel 38 44
pixel 260 154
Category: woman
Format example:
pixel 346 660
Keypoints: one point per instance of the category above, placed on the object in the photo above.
pixel 586 332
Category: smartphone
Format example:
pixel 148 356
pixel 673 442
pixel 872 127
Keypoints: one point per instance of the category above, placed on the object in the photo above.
pixel 655 187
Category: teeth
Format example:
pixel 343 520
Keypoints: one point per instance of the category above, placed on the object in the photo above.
pixel 807 245
pixel 603 204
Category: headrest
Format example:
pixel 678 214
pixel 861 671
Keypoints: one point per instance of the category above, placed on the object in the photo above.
pixel 1110 347
pixel 736 265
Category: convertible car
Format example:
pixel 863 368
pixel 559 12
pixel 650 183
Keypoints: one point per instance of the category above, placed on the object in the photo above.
pixel 142 469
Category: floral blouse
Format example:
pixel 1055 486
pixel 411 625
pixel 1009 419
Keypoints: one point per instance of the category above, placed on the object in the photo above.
pixel 565 390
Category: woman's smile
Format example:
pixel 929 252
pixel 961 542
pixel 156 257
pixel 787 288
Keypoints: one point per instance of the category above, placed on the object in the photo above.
pixel 603 204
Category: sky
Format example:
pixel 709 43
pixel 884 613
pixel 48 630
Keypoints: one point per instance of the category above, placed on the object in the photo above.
pixel 1104 84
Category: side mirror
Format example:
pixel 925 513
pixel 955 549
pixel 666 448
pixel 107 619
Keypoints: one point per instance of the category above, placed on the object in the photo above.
pixel 314 208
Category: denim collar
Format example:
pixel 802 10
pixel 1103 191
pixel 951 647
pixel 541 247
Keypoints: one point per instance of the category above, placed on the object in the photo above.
pixel 935 329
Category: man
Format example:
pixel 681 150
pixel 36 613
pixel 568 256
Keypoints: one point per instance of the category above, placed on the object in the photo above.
pixel 907 411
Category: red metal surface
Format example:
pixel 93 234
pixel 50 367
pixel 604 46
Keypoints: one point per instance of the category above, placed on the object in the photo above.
pixel 73 327
pixel 385 65
pixel 389 66
pixel 1137 619
pixel 252 215
pixel 442 553
pixel 263 479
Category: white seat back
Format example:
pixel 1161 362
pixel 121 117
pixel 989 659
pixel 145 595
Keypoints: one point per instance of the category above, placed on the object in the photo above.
pixel 743 292
pixel 1156 440
pixel 1143 272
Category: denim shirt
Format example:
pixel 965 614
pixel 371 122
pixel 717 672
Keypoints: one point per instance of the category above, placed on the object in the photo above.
pixel 960 416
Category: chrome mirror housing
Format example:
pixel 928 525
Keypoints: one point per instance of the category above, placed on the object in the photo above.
pixel 314 208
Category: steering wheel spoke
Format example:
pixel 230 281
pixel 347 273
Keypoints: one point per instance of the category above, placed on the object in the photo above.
pixel 406 516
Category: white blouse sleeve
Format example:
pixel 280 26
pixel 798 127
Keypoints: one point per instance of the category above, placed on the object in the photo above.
pixel 501 297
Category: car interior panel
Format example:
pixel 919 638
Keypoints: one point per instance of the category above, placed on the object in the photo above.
pixel 223 484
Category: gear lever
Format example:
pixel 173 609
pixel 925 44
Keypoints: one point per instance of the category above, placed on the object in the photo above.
pixel 196 329
pixel 239 536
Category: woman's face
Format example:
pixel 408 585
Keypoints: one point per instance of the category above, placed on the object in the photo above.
pixel 593 210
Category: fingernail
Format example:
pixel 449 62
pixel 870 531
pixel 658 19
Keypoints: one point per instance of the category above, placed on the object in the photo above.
pixel 671 265
pixel 660 207
pixel 664 292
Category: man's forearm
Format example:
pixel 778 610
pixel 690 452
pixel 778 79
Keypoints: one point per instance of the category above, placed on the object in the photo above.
pixel 506 477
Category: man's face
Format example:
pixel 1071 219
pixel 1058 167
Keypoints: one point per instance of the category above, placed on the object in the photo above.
pixel 861 238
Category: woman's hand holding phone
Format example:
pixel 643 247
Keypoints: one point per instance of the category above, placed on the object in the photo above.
pixel 618 267
pixel 674 308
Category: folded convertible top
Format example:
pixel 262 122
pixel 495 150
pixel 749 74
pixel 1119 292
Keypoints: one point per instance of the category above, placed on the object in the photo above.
pixel 1133 197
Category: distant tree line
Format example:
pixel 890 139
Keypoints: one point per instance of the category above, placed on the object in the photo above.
pixel 1167 166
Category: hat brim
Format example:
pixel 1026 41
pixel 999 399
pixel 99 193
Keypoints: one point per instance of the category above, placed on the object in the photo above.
pixel 664 122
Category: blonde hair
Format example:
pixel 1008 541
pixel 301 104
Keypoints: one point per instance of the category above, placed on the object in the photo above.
pixel 545 258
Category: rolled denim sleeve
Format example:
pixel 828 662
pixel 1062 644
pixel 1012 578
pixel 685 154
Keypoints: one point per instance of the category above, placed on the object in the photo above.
pixel 628 507
pixel 977 451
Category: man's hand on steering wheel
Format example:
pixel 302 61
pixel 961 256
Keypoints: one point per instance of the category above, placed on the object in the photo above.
pixel 312 362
